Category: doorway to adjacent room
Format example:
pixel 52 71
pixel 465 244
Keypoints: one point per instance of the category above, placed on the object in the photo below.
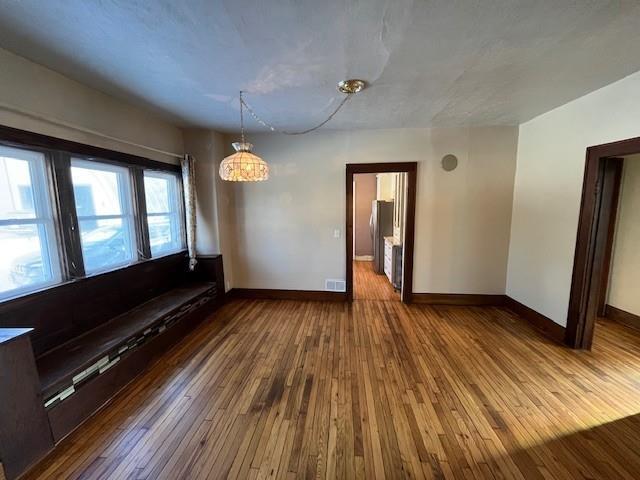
pixel 604 283
pixel 379 230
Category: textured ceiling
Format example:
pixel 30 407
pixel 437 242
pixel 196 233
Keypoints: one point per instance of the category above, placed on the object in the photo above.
pixel 430 63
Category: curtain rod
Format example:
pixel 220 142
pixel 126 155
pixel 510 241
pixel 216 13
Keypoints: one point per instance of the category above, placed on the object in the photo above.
pixel 62 123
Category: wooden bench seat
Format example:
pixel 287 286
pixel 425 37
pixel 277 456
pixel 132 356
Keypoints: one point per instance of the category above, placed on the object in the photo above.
pixel 59 367
pixel 81 342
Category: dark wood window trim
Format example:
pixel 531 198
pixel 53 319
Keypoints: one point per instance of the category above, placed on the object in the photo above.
pixel 36 141
pixel 65 212
pixel 140 213
pixel 594 238
pixel 59 153
pixel 411 168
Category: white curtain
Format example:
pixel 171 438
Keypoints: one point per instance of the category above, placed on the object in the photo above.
pixel 189 187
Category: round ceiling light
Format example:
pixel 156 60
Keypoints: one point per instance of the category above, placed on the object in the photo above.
pixel 353 85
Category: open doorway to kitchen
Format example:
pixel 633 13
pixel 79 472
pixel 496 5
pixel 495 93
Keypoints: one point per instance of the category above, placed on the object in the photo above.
pixel 380 224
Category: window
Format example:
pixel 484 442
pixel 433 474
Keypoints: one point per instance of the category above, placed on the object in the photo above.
pixel 65 214
pixel 164 212
pixel 103 202
pixel 29 259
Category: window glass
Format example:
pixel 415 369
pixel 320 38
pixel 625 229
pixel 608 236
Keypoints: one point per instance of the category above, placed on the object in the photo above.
pixel 157 191
pixel 164 213
pixel 104 207
pixel 29 259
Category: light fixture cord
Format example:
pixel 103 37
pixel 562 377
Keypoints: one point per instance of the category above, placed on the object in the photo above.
pixel 285 132
pixel 241 119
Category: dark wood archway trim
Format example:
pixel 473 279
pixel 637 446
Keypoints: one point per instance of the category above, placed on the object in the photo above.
pixel 411 168
pixel 594 238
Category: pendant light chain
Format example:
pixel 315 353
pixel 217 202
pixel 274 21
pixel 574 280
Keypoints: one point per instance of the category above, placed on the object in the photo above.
pixel 246 166
pixel 285 132
pixel 241 119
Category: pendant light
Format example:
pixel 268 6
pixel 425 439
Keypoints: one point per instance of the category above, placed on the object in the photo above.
pixel 243 166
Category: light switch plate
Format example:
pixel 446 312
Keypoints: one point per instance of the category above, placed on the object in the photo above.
pixel 336 233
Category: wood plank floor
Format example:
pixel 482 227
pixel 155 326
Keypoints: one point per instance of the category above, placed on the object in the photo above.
pixel 291 389
pixel 369 285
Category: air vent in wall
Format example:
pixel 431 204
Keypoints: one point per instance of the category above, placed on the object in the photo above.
pixel 333 285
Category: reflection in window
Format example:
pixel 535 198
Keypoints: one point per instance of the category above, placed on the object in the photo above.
pixel 105 215
pixel 164 213
pixel 29 259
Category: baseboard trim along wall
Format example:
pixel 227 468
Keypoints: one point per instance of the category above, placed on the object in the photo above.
pixel 363 258
pixel 462 299
pixel 621 316
pixel 542 323
pixel 274 294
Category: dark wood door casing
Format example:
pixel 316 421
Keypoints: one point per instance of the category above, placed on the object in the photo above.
pixel 410 168
pixel 596 225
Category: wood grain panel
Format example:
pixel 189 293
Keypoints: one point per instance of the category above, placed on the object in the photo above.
pixel 373 389
pixel 69 414
pixel 25 436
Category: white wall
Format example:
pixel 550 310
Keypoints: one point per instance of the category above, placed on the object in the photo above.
pixel 37 89
pixel 213 197
pixel 625 264
pixel 548 187
pixel 284 227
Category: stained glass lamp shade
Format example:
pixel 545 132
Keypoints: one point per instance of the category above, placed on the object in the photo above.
pixel 244 166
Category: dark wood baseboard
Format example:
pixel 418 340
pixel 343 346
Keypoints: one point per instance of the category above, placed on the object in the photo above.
pixel 462 299
pixel 274 294
pixel 623 317
pixel 542 323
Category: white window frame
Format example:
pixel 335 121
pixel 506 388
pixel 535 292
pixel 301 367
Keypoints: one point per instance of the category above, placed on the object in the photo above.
pixel 176 211
pixel 125 195
pixel 43 219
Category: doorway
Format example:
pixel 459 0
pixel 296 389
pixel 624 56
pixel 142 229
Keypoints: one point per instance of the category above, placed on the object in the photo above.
pixel 592 270
pixel 380 226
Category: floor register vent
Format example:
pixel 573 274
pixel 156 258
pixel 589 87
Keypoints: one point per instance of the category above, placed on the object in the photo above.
pixel 333 285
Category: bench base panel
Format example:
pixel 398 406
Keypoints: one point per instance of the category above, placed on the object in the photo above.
pixel 98 392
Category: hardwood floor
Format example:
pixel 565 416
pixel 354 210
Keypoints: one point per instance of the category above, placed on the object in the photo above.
pixel 292 389
pixel 368 285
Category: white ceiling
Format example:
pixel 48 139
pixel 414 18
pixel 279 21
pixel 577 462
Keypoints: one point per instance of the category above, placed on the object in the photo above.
pixel 430 63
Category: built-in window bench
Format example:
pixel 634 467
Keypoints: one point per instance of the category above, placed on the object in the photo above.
pixel 53 388
pixel 74 377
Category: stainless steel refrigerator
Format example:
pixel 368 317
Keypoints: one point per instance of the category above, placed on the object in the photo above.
pixel 381 225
